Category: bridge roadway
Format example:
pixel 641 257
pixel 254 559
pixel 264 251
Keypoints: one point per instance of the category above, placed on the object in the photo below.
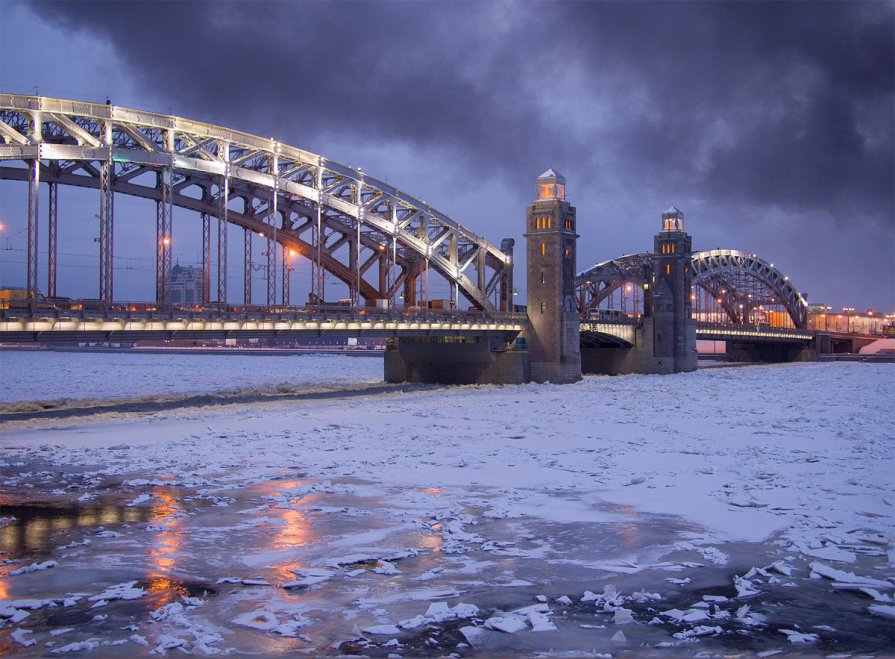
pixel 118 323
pixel 63 325
pixel 621 331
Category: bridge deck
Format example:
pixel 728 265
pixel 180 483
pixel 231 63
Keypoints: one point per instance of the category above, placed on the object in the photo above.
pixel 56 325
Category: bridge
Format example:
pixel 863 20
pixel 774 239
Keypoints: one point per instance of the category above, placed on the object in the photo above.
pixel 638 313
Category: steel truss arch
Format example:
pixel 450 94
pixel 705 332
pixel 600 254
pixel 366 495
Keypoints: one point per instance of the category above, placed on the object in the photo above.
pixel 72 141
pixel 725 274
pixel 603 279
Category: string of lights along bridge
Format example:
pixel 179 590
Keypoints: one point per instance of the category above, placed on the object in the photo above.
pixel 386 248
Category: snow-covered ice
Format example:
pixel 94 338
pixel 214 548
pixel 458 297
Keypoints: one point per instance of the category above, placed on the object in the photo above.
pixel 432 518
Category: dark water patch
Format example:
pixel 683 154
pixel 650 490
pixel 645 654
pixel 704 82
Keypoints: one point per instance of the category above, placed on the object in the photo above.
pixel 33 526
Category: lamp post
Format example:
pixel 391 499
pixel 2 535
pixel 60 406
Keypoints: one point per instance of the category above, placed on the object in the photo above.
pixel 848 312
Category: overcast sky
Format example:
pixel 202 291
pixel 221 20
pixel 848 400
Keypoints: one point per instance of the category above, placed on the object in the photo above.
pixel 769 124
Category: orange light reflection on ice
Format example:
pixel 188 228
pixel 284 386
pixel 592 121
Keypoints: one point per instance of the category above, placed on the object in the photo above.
pixel 296 531
pixel 163 554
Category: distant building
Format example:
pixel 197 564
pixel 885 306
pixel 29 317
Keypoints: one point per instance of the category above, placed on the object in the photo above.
pixel 186 285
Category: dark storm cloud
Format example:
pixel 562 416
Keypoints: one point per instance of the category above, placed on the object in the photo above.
pixel 763 104
pixel 801 93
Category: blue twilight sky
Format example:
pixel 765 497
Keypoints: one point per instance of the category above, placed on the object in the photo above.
pixel 770 124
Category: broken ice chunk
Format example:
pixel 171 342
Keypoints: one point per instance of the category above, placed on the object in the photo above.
pixel 34 567
pixel 384 567
pixel 622 617
pixel 847 577
pixel 382 630
pixel 678 582
pixel 122 591
pixel 472 634
pixel 745 588
pixel 540 623
pixel 506 624
pixel 883 610
pixel 799 637
pixel 414 623
pixel 262 620
pixel 21 636
pixel 439 611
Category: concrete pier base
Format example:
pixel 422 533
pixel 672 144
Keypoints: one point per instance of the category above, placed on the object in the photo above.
pixel 744 351
pixel 455 360
pixel 639 358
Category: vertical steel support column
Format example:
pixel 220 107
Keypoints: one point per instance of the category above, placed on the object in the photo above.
pixel 316 266
pixel 206 258
pixel 355 297
pixel 383 273
pixel 393 264
pixel 247 267
pixel 452 249
pixel 159 237
pixel 163 235
pixel 271 235
pixel 287 268
pixel 223 217
pixel 52 240
pixel 105 230
pixel 33 187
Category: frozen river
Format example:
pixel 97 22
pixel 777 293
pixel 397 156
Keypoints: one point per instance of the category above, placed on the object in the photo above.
pixel 740 511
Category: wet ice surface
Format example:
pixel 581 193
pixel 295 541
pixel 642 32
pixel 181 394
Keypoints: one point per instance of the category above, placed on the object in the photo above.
pixel 620 516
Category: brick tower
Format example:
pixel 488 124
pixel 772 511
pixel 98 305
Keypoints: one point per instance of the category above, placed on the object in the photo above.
pixel 674 331
pixel 554 341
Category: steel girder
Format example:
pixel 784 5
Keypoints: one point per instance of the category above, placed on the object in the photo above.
pixel 325 209
pixel 740 282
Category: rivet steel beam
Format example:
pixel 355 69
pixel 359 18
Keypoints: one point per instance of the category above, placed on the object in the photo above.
pixel 33 187
pixel 247 267
pixel 224 198
pixel 163 237
pixel 52 240
pixel 105 230
pixel 287 268
pixel 206 258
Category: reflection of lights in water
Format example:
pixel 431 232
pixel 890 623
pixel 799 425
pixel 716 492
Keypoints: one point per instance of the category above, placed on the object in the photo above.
pixel 164 553
pixel 296 531
pixel 434 491
pixel 630 529
pixel 434 540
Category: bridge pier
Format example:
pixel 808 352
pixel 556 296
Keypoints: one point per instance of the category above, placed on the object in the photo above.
pixel 553 335
pixel 455 360
pixel 642 357
pixel 665 342
pixel 770 352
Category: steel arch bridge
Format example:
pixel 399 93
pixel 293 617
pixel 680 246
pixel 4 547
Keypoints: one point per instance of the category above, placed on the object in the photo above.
pixel 727 286
pixel 373 237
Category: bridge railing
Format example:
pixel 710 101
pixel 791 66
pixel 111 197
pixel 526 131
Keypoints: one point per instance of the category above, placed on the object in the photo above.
pixel 95 309
pixel 611 317
pixel 751 329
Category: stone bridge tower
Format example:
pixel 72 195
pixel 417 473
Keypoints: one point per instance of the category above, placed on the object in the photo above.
pixel 554 339
pixel 674 330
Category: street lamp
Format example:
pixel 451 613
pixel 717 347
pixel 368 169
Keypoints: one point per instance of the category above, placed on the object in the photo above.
pixel 848 312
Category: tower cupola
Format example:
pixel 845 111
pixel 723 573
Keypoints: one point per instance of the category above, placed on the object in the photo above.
pixel 673 219
pixel 551 185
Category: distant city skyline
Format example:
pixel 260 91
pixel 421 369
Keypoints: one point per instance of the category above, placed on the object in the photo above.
pixel 768 124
